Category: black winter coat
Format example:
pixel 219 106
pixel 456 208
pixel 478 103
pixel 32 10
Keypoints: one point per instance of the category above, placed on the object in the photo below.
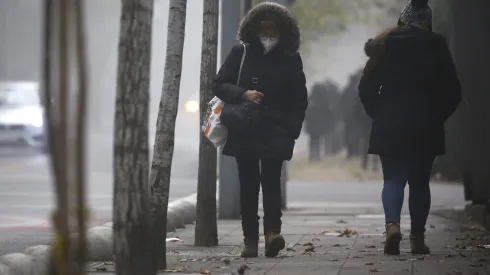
pixel 280 78
pixel 409 88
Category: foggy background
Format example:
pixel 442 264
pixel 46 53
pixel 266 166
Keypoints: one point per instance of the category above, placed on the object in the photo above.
pixel 26 191
pixel 334 56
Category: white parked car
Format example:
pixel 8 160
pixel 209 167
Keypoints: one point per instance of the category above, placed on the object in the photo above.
pixel 21 115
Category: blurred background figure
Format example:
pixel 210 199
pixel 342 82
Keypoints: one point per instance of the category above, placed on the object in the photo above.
pixel 320 120
pixel 353 117
pixel 332 138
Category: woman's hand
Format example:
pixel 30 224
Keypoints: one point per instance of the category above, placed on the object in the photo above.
pixel 253 96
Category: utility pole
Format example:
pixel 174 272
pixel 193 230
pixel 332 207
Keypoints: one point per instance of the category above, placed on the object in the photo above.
pixel 229 186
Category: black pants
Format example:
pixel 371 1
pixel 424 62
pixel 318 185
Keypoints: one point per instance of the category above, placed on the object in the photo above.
pixel 253 173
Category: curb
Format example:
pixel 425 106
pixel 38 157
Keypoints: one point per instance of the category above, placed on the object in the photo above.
pixel 34 260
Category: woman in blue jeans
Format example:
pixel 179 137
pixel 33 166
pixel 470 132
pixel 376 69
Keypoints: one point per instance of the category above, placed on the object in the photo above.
pixel 409 88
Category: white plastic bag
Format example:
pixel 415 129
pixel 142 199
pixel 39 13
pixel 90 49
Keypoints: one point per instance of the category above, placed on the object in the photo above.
pixel 212 128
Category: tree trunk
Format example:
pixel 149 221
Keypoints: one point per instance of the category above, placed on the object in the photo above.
pixel 165 129
pixel 206 231
pixel 132 240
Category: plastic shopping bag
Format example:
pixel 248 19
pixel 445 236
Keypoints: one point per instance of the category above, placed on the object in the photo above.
pixel 212 128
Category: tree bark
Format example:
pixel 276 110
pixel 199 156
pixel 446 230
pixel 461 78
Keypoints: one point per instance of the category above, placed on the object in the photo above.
pixel 165 129
pixel 206 231
pixel 131 211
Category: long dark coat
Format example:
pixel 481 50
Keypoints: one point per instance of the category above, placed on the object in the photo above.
pixel 278 75
pixel 409 88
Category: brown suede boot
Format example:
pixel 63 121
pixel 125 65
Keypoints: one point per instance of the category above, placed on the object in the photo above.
pixel 273 244
pixel 251 249
pixel 418 246
pixel 393 238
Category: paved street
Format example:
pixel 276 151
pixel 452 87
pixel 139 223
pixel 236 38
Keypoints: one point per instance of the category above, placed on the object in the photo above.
pixel 315 246
pixel 26 192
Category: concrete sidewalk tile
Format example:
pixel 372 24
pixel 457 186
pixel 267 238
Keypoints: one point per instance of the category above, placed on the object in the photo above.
pixel 314 247
pixel 311 265
pixel 453 268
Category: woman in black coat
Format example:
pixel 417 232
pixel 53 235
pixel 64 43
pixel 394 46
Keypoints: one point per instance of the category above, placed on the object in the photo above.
pixel 272 77
pixel 409 88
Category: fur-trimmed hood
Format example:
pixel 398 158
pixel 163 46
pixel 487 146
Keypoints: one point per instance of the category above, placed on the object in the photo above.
pixel 286 22
pixel 402 40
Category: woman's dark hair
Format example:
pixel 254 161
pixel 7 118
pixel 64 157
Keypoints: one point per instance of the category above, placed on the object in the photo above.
pixel 283 19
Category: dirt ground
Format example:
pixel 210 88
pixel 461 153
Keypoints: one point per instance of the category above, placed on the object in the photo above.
pixel 335 168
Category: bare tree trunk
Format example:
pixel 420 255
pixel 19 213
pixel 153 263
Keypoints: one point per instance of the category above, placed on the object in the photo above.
pixel 206 231
pixel 165 130
pixel 131 210
pixel 63 37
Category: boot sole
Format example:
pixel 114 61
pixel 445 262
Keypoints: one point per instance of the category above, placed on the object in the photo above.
pixel 392 245
pixel 249 256
pixel 275 246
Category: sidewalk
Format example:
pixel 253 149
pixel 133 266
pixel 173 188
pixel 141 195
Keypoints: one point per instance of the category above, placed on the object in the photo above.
pixel 314 246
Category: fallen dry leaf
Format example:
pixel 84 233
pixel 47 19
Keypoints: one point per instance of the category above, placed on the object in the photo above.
pixel 482 260
pixel 374 270
pixel 226 261
pixel 310 249
pixel 432 226
pixel 369 264
pixel 401 260
pixel 315 239
pixel 241 270
pixel 341 221
pixel 346 232
pixel 172 270
pixel 290 249
pixel 307 244
pixel 205 271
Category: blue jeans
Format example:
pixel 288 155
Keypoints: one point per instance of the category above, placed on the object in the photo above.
pixel 397 172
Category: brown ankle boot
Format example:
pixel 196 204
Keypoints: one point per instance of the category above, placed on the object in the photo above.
pixel 251 249
pixel 393 237
pixel 273 244
pixel 418 246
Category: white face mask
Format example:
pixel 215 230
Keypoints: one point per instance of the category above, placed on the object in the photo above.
pixel 269 43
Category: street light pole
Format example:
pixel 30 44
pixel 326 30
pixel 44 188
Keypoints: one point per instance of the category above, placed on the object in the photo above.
pixel 229 185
